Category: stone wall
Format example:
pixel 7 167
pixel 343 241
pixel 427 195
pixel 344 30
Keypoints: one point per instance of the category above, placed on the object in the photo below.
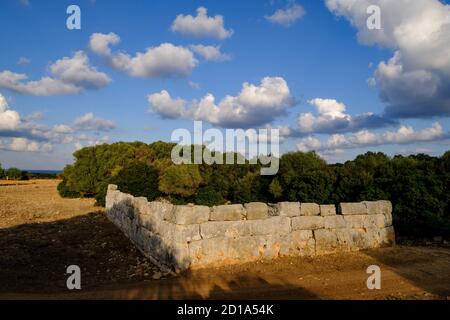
pixel 179 237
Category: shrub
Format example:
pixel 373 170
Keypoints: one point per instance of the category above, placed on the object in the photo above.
pixel 207 196
pixel 66 192
pixel 137 179
pixel 14 173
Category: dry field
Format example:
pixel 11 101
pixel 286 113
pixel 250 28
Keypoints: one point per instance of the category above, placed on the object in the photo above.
pixel 41 234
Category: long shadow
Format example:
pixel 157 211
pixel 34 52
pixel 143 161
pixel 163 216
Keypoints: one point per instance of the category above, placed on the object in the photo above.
pixel 426 267
pixel 34 258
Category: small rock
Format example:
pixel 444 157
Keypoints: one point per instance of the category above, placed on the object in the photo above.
pixel 157 276
pixel 437 239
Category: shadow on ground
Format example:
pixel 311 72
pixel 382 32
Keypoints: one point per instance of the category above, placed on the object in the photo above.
pixel 34 259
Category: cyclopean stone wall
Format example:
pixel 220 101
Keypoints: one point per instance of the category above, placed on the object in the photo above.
pixel 178 237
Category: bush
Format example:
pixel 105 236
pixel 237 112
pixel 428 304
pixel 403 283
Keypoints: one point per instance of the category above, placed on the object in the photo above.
pixel 137 179
pixel 66 192
pixel 207 196
pixel 14 173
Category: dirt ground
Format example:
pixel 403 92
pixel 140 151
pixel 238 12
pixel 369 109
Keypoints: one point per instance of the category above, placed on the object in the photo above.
pixel 41 234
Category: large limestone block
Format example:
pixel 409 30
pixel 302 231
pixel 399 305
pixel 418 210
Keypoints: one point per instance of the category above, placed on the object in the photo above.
pixel 288 209
pixel 175 233
pixel 375 221
pixel 256 210
pixel 189 214
pixel 297 243
pixel 327 210
pixel 378 207
pixel 326 241
pixel 234 229
pixel 307 223
pixel 230 212
pixel 231 229
pixel 352 208
pixel 222 251
pixel 356 221
pixel 270 226
pixel 334 222
pixel 309 209
pixel 154 213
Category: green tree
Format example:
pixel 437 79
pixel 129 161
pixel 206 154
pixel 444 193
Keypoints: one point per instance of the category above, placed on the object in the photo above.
pixel 305 177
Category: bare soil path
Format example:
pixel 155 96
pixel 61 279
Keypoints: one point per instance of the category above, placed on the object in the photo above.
pixel 41 234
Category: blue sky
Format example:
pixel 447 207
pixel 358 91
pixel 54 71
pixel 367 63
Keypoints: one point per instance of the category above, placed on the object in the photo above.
pixel 311 61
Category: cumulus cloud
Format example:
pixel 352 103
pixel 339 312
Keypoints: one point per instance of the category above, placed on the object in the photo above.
pixel 201 25
pixel 415 82
pixel 9 119
pixel 255 105
pixel 88 122
pixel 288 16
pixel 210 53
pixel 364 138
pixel 69 76
pixel 332 118
pixel 163 61
pixel 23 144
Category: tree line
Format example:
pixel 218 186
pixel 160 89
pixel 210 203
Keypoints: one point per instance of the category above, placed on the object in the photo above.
pixel 417 185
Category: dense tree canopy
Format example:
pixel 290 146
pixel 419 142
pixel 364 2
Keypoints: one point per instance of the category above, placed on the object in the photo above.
pixel 418 185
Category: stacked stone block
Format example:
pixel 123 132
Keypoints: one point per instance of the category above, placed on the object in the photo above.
pixel 179 237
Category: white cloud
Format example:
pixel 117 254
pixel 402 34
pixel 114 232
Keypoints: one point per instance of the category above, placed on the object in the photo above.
pixel 163 104
pixel 70 76
pixel 163 61
pixel 9 119
pixel 62 129
pixel 365 138
pixel 332 118
pixel 201 25
pixel 287 17
pixel 24 145
pixel 89 122
pixel 255 105
pixel 415 81
pixel 76 70
pixel 210 53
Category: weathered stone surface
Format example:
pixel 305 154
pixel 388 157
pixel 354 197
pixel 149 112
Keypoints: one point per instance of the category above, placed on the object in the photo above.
pixel 288 209
pixel 351 208
pixel 215 229
pixel 189 214
pixel 378 207
pixel 326 241
pixel 112 187
pixel 256 210
pixel 307 223
pixel 356 221
pixel 234 229
pixel 334 222
pixel 309 209
pixel 272 225
pixel 327 210
pixel 375 221
pixel 179 233
pixel 297 243
pixel 231 212
pixel 223 251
